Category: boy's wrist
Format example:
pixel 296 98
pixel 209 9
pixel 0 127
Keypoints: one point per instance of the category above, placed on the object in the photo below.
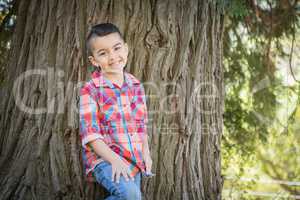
pixel 115 159
pixel 146 152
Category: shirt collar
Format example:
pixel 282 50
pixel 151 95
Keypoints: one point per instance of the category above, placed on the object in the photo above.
pixel 100 80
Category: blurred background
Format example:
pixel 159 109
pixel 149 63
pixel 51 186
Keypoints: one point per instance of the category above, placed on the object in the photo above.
pixel 261 139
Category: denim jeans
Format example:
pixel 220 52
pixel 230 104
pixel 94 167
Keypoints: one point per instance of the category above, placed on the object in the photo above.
pixel 124 190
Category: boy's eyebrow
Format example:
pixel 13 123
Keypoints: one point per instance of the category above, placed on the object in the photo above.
pixel 119 43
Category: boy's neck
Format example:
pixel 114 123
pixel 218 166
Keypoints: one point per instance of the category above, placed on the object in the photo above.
pixel 117 79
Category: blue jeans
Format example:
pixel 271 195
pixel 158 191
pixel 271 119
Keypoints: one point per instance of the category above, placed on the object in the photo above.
pixel 124 190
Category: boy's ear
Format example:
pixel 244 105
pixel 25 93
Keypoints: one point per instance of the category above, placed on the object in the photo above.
pixel 92 60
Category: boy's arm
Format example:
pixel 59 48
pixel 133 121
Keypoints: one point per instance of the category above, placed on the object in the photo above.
pixel 104 151
pixel 119 167
pixel 146 154
pixel 146 151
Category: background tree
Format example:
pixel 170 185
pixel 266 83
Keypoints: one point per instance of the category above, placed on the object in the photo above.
pixel 175 45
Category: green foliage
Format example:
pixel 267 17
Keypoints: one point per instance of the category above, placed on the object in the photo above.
pixel 255 89
pixel 233 8
pixel 7 23
pixel 237 9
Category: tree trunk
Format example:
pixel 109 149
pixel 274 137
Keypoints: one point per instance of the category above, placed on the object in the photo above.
pixel 175 50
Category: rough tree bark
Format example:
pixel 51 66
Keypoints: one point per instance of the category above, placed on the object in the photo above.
pixel 175 49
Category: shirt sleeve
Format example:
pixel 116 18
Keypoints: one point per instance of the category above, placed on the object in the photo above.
pixel 89 118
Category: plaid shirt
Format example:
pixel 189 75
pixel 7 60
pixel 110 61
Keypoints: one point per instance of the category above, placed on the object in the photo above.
pixel 116 115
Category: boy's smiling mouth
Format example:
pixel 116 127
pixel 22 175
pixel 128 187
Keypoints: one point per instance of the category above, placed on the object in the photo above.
pixel 115 64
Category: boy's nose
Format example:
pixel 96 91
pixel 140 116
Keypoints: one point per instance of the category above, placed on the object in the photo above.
pixel 112 57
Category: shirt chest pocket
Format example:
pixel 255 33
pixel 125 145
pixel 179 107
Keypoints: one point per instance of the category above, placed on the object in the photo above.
pixel 109 111
pixel 138 109
pixel 116 116
pixel 111 120
pixel 138 114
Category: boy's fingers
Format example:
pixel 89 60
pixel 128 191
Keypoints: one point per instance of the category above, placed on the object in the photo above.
pixel 117 177
pixel 130 176
pixel 125 176
pixel 113 173
pixel 148 168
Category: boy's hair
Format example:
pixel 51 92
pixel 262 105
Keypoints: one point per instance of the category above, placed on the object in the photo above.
pixel 100 30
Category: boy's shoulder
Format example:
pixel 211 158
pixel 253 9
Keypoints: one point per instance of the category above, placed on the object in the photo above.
pixel 90 84
pixel 87 87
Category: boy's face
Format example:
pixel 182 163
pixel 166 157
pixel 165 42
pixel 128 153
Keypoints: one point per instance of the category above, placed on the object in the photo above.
pixel 109 53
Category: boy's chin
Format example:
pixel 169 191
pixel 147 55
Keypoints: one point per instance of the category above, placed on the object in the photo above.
pixel 114 71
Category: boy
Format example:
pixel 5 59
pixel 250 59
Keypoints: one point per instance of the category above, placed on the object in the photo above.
pixel 113 118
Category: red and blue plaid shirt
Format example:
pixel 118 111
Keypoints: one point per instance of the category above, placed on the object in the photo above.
pixel 118 116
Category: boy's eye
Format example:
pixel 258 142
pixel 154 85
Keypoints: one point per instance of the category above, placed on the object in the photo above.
pixel 101 53
pixel 117 48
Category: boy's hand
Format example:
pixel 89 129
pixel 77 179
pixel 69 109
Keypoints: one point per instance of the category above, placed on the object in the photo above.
pixel 148 163
pixel 119 167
